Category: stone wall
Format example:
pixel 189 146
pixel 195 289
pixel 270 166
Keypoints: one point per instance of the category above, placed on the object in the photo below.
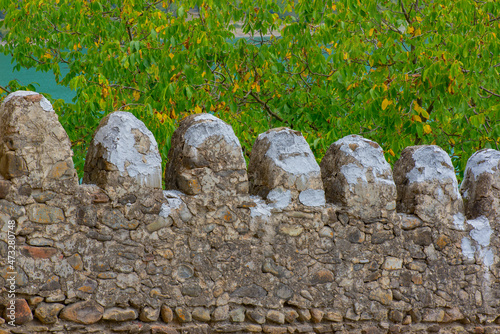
pixel 347 246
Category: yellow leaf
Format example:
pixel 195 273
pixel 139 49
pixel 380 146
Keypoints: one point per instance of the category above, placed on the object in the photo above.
pixel 247 76
pixel 197 109
pixel 418 32
pixel 411 30
pixel 385 103
pixel 198 40
pixel 379 44
pixel 370 33
pixel 257 88
pixel 371 62
pixel 136 95
pixel 427 129
pixel 345 55
pixel 57 2
pixel 335 7
pixel 75 47
pixel 452 141
pixel 203 74
pixel 419 19
pixel 416 118
pixel 391 152
pixel 235 87
pixel 171 55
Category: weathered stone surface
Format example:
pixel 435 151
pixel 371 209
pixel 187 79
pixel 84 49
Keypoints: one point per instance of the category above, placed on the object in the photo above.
pixel 18 311
pixel 44 214
pixel 163 329
pixel 322 276
pixel 123 153
pixel 433 315
pixel 317 315
pixel 282 168
pixel 427 186
pixel 120 314
pixel 183 314
pixel 357 176
pixel 86 312
pixel 253 291
pixel 76 262
pixel 257 316
pixel 275 316
pixel 206 157
pixel 38 252
pixel 333 316
pixel 4 188
pixel 149 314
pixel 201 314
pixel 115 219
pixel 47 313
pixel 167 315
pixel 274 329
pixel 392 263
pixel 480 188
pixel 221 313
pixel 34 148
pixel 382 296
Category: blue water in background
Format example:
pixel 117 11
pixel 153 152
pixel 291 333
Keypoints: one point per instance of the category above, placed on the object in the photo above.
pixel 46 80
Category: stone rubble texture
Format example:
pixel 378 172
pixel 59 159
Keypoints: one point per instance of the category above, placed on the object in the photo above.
pixel 283 169
pixel 194 164
pixel 481 186
pixel 35 151
pixel 357 176
pixel 207 256
pixel 427 185
pixel 123 151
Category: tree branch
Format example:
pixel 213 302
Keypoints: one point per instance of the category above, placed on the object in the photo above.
pixel 266 107
pixel 407 17
pixel 489 91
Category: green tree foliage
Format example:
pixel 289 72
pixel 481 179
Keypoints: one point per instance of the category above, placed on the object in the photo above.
pixel 400 72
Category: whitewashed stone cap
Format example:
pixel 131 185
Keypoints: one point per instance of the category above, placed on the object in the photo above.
pixel 427 185
pixel 123 153
pixel 357 177
pixel 282 169
pixel 481 185
pixel 206 157
pixel 34 147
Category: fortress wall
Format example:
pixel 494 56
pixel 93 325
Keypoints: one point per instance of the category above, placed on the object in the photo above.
pixel 289 246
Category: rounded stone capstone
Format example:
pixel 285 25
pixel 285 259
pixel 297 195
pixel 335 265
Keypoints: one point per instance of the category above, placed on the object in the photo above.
pixel 34 148
pixel 206 157
pixel 427 185
pixel 481 186
pixel 123 152
pixel 357 177
pixel 282 169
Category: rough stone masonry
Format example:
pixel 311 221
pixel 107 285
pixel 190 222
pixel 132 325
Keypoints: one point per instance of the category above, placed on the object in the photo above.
pixel 346 246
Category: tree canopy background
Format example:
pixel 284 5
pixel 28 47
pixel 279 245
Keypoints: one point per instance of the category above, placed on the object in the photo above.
pixel 399 72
